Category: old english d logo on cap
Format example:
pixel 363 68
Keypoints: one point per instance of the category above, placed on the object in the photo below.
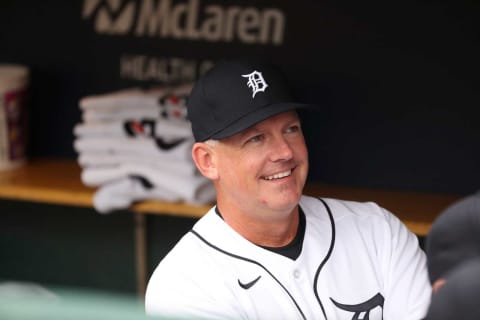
pixel 256 82
pixel 234 95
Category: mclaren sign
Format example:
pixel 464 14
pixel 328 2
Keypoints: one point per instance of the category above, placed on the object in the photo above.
pixel 187 20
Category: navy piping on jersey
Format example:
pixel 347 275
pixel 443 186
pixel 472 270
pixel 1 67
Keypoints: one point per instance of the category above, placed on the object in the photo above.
pixel 254 262
pixel 329 253
pixel 317 273
pixel 293 249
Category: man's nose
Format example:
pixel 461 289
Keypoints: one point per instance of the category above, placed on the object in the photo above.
pixel 281 150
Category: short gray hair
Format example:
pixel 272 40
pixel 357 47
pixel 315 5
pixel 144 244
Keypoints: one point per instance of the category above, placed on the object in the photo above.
pixel 212 142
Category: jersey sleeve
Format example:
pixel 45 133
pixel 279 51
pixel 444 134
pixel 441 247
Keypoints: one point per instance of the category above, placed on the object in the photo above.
pixel 180 288
pixel 407 284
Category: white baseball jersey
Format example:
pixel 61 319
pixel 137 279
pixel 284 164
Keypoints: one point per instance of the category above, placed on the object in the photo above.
pixel 358 261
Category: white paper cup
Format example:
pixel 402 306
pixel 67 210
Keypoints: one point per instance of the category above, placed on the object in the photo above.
pixel 14 80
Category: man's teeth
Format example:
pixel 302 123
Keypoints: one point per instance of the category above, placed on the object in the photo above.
pixel 279 175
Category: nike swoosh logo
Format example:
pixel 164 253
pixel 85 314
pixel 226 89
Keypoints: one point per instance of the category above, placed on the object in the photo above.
pixel 162 144
pixel 248 285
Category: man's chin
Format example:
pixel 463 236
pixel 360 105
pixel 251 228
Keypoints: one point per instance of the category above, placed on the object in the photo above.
pixel 285 203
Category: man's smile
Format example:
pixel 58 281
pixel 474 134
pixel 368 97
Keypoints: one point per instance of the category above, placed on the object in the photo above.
pixel 279 175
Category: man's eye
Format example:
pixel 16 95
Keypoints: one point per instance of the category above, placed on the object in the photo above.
pixel 255 139
pixel 294 128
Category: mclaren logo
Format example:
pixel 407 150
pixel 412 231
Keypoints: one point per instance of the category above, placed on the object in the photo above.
pixel 186 20
pixel 111 16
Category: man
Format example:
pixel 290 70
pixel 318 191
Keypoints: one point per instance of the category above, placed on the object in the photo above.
pixel 457 298
pixel 454 238
pixel 453 255
pixel 265 251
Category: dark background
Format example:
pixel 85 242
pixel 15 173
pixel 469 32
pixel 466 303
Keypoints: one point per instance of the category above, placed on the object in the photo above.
pixel 398 81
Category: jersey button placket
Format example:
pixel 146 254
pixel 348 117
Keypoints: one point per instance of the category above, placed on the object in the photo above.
pixel 297 274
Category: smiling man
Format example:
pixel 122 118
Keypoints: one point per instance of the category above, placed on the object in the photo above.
pixel 265 251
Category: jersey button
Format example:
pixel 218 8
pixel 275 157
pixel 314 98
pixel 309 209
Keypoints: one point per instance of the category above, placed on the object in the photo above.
pixel 296 273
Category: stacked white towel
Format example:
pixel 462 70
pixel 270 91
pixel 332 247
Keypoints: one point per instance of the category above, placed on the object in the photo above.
pixel 135 145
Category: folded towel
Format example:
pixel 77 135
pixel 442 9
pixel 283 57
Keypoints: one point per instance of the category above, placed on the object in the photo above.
pixel 94 116
pixel 185 185
pixel 139 146
pixel 131 98
pixel 172 107
pixel 129 128
pixel 106 159
pixel 122 193
pixel 135 145
pixel 97 175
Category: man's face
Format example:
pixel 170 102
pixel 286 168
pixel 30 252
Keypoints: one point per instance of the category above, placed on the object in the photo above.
pixel 263 168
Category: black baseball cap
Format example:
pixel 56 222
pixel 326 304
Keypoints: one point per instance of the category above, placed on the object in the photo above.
pixel 235 95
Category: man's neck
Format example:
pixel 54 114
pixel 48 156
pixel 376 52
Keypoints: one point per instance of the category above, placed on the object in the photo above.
pixel 262 232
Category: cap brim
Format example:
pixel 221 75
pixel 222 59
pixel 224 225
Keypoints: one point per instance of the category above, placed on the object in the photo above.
pixel 257 116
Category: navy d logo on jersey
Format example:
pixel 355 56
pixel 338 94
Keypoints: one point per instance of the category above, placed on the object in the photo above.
pixel 362 310
pixel 255 82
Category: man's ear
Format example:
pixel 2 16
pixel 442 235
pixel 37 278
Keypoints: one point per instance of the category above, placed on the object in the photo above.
pixel 204 157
